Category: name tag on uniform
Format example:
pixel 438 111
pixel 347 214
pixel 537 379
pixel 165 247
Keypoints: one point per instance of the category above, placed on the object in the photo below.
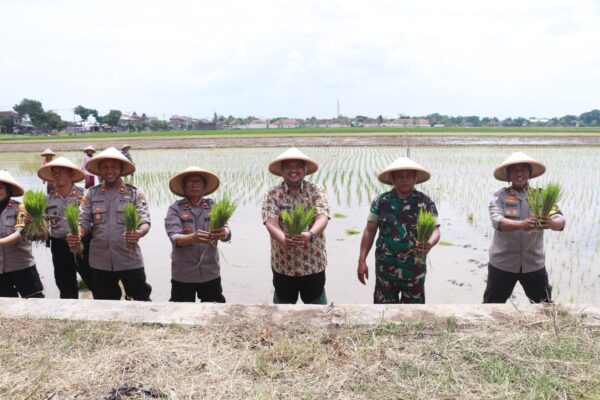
pixel 511 206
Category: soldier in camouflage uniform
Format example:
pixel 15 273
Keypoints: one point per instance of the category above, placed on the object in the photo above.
pixel 63 174
pixel 400 261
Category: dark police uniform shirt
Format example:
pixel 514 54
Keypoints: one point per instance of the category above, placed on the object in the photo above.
pixel 102 213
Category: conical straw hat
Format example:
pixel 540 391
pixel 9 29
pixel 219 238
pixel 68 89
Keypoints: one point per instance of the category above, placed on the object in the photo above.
pixel 292 154
pixel 48 152
pixel 404 164
pixel 537 168
pixel 176 182
pixel 93 164
pixel 45 172
pixel 6 177
pixel 89 148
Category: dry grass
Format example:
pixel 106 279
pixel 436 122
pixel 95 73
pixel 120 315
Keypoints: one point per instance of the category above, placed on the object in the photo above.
pixel 555 358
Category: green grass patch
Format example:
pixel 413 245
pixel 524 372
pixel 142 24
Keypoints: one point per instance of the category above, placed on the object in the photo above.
pixel 545 358
pixel 338 215
pixel 461 131
pixel 443 243
pixel 351 232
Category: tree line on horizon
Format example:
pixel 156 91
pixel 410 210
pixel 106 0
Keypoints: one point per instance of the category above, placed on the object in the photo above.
pixel 48 121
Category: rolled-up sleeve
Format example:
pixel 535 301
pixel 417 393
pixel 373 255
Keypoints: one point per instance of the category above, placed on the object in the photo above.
pixel 496 210
pixel 173 225
pixel 142 207
pixel 85 212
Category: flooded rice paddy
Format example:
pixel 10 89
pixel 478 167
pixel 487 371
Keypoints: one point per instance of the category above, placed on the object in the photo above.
pixel 461 184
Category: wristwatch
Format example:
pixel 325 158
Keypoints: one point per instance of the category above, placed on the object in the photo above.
pixel 312 236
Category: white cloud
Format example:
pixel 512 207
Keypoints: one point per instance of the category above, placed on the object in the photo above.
pixel 292 58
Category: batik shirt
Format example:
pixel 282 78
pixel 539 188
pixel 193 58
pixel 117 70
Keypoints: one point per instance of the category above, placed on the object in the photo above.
pixel 311 257
pixel 396 220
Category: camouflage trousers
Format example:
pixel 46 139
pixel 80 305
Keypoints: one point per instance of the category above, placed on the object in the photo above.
pixel 391 286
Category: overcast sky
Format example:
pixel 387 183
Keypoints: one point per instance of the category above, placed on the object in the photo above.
pixel 297 58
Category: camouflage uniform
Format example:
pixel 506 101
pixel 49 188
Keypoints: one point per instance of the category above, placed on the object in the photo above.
pixel 398 268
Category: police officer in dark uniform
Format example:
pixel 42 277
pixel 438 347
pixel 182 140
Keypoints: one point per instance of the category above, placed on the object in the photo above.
pixel 102 212
pixel 18 274
pixel 195 269
pixel 63 174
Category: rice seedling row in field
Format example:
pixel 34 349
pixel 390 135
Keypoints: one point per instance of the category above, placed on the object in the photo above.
pixel 461 184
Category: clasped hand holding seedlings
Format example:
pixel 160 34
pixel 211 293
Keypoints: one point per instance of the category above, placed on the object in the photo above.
pixel 72 215
pixel 219 215
pixel 36 230
pixel 298 220
pixel 543 201
pixel 426 223
pixel 132 222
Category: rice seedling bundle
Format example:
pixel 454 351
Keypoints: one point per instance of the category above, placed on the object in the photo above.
pixel 220 213
pixel 296 222
pixel 132 222
pixel 426 223
pixel 542 201
pixel 72 216
pixel 36 204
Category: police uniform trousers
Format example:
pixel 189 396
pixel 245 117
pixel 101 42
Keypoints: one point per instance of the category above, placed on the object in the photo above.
pixel 25 283
pixel 66 267
pixel 210 291
pixel 500 285
pixel 106 284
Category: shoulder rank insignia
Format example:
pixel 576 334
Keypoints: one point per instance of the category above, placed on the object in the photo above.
pixel 102 189
pixel 9 205
pixel 186 205
pixel 121 189
pixel 204 203
pixel 83 201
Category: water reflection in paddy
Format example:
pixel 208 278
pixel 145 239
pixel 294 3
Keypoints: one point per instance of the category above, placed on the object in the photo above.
pixel 461 184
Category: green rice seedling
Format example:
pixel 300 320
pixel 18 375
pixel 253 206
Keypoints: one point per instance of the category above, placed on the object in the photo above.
pixel 426 223
pixel 351 232
pixel 37 229
pixel 296 222
pixel 72 215
pixel 220 213
pixel 132 222
pixel 543 201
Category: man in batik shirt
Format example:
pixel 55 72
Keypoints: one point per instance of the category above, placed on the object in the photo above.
pixel 298 262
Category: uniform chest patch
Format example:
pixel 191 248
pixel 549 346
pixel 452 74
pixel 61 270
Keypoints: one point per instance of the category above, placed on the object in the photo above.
pixel 511 206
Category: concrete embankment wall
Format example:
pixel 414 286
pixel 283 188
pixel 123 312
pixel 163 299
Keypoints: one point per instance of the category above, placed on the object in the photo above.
pixel 207 314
